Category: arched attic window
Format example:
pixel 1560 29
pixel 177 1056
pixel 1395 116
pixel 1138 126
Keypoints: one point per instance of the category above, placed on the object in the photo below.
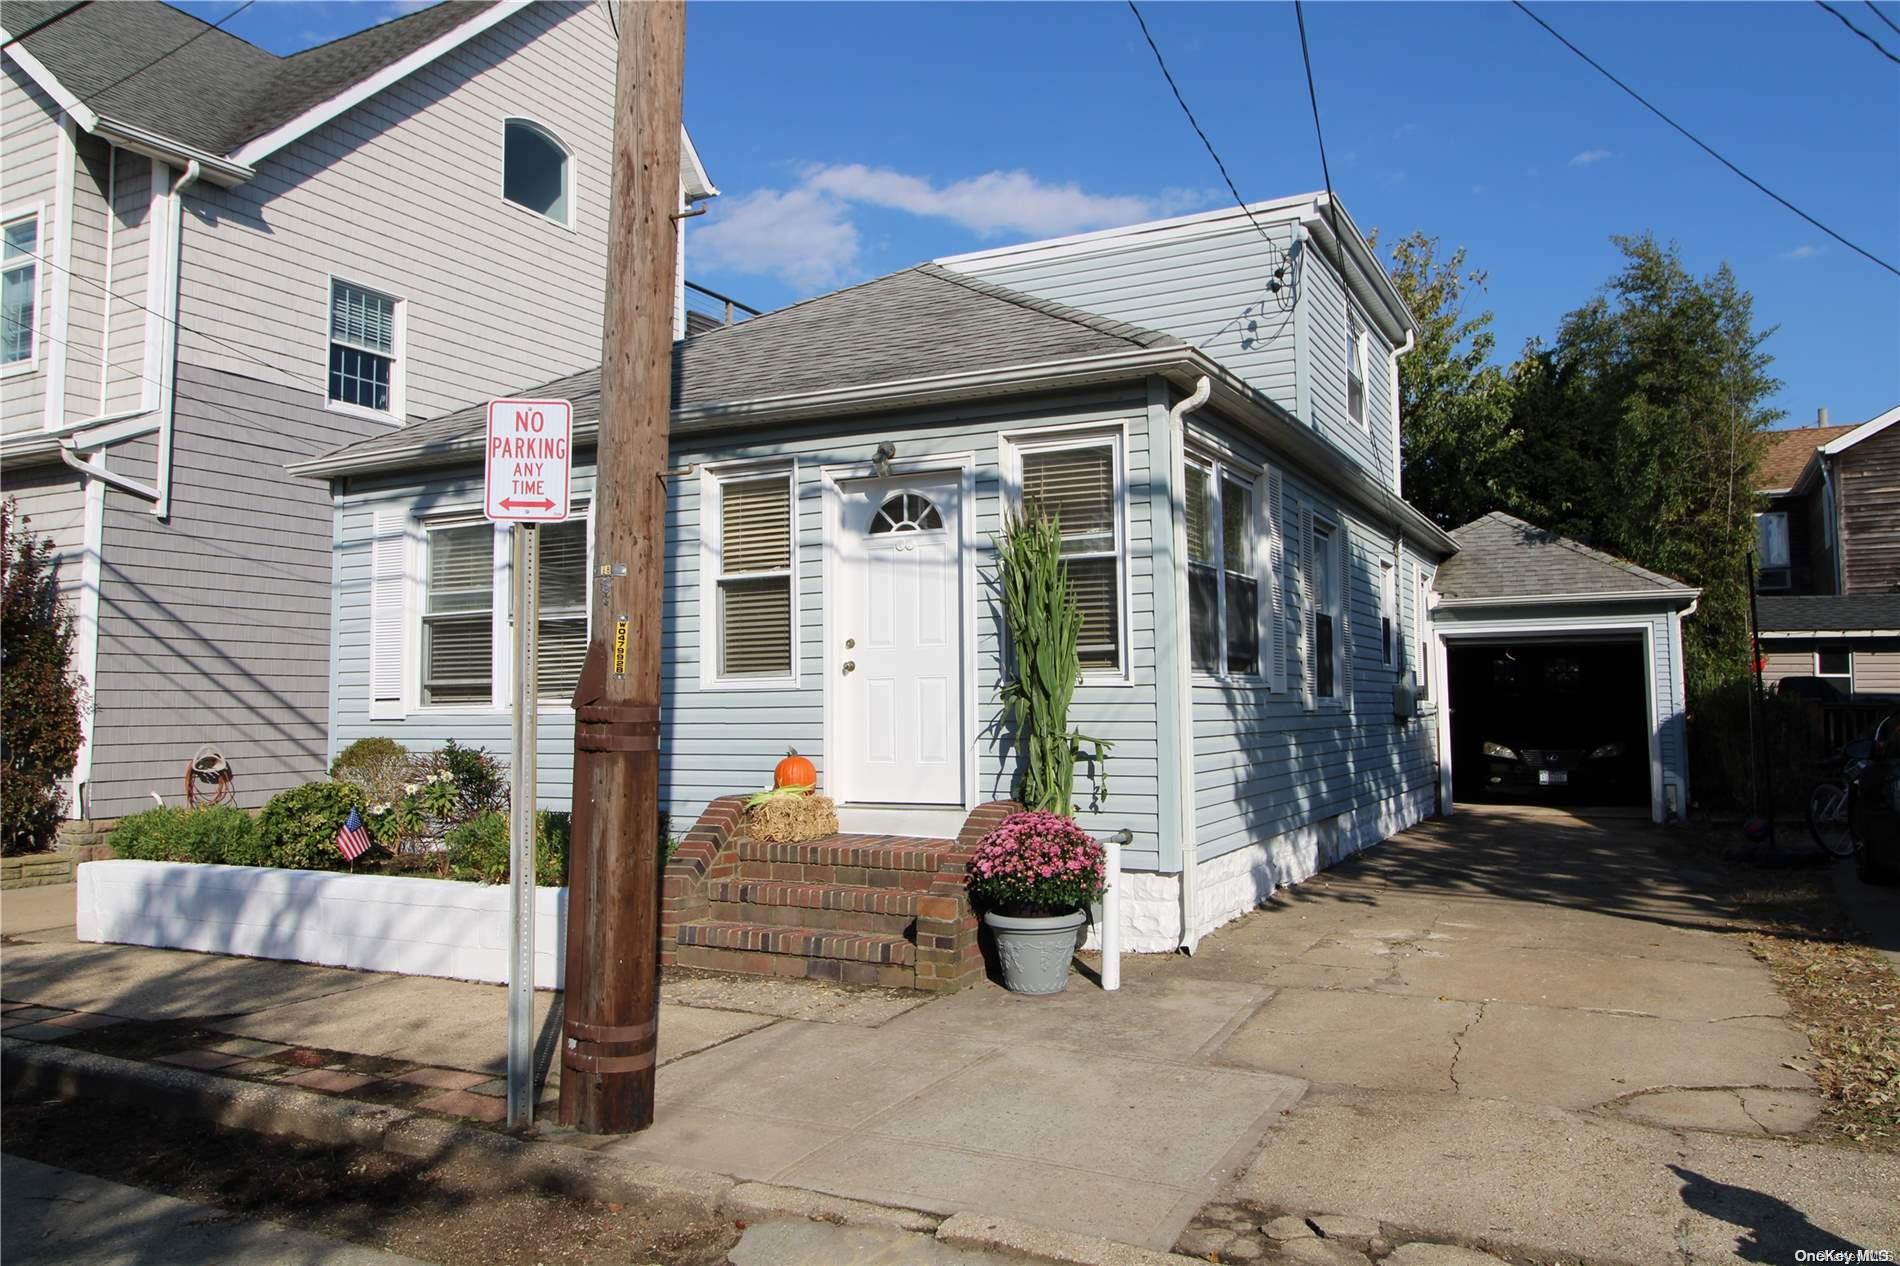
pixel 536 171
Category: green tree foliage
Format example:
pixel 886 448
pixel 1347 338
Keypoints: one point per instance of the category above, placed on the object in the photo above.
pixel 41 697
pixel 1460 442
pixel 1642 431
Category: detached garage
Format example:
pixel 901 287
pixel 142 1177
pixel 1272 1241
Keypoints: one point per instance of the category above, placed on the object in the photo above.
pixel 1564 673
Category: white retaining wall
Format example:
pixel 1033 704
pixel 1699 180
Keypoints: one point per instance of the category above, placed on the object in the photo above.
pixel 418 927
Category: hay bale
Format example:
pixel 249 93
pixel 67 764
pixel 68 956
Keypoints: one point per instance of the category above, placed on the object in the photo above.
pixel 792 819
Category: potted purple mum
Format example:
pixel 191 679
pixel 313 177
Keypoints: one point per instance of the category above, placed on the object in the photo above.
pixel 1034 877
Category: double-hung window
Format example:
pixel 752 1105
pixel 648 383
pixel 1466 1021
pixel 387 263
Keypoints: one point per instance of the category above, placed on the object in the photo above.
pixel 1326 586
pixel 1077 482
pixel 1224 555
pixel 1355 367
pixel 19 289
pixel 458 613
pixel 1422 626
pixel 1771 549
pixel 365 365
pixel 563 623
pixel 749 535
pixel 1388 612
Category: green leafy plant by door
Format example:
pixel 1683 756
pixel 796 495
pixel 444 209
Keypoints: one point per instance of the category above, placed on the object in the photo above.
pixel 1044 622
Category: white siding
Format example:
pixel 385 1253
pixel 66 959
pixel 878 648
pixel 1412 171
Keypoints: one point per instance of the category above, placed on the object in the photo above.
pixel 31 145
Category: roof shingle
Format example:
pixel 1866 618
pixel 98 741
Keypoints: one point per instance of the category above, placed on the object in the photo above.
pixel 1788 452
pixel 1838 612
pixel 1504 557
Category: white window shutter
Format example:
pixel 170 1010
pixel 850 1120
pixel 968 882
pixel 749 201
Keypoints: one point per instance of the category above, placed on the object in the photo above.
pixel 1307 638
pixel 1272 534
pixel 387 585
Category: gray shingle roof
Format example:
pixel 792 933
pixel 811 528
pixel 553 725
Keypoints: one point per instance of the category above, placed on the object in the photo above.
pixel 155 67
pixel 1504 557
pixel 1843 612
pixel 921 322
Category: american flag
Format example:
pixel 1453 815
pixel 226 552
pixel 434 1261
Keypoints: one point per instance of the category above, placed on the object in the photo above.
pixel 352 838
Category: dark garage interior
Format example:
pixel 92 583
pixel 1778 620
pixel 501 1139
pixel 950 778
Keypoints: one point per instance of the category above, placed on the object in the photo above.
pixel 1549 722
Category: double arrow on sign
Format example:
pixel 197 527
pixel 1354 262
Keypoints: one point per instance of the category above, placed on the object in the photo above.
pixel 509 503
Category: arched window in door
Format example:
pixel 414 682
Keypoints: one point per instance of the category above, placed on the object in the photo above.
pixel 905 512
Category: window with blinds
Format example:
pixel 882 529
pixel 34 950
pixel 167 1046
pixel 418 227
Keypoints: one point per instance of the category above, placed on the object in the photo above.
pixel 458 628
pixel 1078 484
pixel 362 347
pixel 755 577
pixel 563 624
pixel 1223 578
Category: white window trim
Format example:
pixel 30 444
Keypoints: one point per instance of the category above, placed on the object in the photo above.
pixel 1010 449
pixel 1763 568
pixel 36 212
pixel 573 185
pixel 710 480
pixel 1339 540
pixel 1847 676
pixel 1220 467
pixel 1392 623
pixel 1364 358
pixel 504 616
pixel 1425 678
pixel 416 610
pixel 398 368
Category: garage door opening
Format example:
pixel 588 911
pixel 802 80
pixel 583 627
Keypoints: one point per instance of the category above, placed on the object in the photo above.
pixel 1549 722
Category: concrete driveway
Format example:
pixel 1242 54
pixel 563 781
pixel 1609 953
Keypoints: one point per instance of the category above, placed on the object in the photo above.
pixel 1524 1028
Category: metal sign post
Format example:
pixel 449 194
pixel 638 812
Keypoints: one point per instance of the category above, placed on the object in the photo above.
pixel 526 479
pixel 526 606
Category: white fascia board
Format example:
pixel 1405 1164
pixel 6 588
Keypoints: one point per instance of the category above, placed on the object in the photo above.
pixel 1865 431
pixel 1670 597
pixel 1771 635
pixel 1369 283
pixel 138 140
pixel 697 184
pixel 254 151
pixel 49 83
pixel 1278 210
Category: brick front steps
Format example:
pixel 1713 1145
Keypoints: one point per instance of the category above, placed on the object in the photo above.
pixel 858 909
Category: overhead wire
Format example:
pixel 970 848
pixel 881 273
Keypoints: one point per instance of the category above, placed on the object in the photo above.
pixel 43 23
pixel 1842 18
pixel 1891 24
pixel 1704 146
pixel 191 39
pixel 1312 95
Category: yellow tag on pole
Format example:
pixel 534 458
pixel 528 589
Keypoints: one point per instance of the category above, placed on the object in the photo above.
pixel 620 648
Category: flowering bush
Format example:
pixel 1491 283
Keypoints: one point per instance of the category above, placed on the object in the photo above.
pixel 1036 863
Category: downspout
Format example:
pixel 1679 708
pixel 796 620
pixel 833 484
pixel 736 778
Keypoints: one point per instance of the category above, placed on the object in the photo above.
pixel 1398 423
pixel 1184 681
pixel 168 367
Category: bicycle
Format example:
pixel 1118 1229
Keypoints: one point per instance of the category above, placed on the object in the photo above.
pixel 1828 802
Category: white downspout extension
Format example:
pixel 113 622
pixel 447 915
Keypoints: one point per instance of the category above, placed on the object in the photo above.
pixel 1184 683
pixel 1398 424
pixel 168 367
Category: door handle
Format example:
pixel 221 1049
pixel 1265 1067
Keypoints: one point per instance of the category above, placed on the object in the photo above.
pixel 849 665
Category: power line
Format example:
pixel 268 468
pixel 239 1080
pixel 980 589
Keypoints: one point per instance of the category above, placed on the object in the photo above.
pixel 1332 204
pixel 1892 25
pixel 1842 17
pixel 1182 102
pixel 43 23
pixel 1699 142
pixel 193 38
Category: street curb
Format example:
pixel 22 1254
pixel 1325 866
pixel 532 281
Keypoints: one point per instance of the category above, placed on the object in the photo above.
pixel 33 1069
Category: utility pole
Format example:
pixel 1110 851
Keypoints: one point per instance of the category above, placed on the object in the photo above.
pixel 613 989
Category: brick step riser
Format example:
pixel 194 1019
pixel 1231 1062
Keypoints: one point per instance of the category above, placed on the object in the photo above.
pixel 756 963
pixel 800 940
pixel 903 925
pixel 878 856
pixel 844 876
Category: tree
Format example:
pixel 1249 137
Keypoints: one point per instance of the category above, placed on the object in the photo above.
pixel 1459 440
pixel 1642 431
pixel 40 695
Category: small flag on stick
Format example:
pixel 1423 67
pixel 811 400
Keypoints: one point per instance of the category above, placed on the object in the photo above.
pixel 352 838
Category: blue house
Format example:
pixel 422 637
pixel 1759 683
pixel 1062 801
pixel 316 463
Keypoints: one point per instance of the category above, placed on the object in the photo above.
pixel 1212 404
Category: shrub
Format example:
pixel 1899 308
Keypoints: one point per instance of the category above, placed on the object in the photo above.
pixel 368 753
pixel 481 782
pixel 298 827
pixel 220 834
pixel 378 767
pixel 41 698
pixel 478 848
pixel 1037 863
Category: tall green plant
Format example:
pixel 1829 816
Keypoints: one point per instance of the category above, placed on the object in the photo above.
pixel 1044 622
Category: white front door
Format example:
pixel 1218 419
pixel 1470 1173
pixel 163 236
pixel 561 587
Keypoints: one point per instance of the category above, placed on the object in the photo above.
pixel 898 657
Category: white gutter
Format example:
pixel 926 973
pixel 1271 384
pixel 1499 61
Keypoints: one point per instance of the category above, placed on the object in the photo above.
pixel 219 171
pixel 1545 599
pixel 1184 681
pixel 1768 635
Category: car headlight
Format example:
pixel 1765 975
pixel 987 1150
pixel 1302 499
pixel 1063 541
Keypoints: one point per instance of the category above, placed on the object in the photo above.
pixel 1500 751
pixel 1607 751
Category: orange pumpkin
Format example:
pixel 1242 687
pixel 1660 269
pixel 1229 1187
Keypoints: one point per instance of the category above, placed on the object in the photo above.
pixel 794 771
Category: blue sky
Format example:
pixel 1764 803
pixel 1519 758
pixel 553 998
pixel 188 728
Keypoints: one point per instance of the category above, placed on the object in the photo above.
pixel 853 139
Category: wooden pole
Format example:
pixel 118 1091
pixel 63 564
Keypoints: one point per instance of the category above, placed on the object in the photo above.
pixel 612 1004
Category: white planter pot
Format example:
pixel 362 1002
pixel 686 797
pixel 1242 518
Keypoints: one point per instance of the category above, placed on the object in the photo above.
pixel 1036 952
pixel 418 927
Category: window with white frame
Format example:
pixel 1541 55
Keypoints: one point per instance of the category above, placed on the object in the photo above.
pixel 1835 659
pixel 1225 558
pixel 19 289
pixel 751 537
pixel 1355 367
pixel 458 612
pixel 1388 612
pixel 1077 481
pixel 365 364
pixel 1771 550
pixel 536 171
pixel 1326 591
pixel 1422 628
pixel 562 644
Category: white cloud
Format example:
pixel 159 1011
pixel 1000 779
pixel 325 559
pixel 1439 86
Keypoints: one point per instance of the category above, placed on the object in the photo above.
pixel 803 237
pixel 1589 156
pixel 995 202
pixel 1807 250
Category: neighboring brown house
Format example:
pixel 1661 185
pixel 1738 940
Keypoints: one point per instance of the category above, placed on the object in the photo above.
pixel 1829 550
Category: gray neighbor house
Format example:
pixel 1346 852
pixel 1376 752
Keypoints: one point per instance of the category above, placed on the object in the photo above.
pixel 221 261
pixel 1209 401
